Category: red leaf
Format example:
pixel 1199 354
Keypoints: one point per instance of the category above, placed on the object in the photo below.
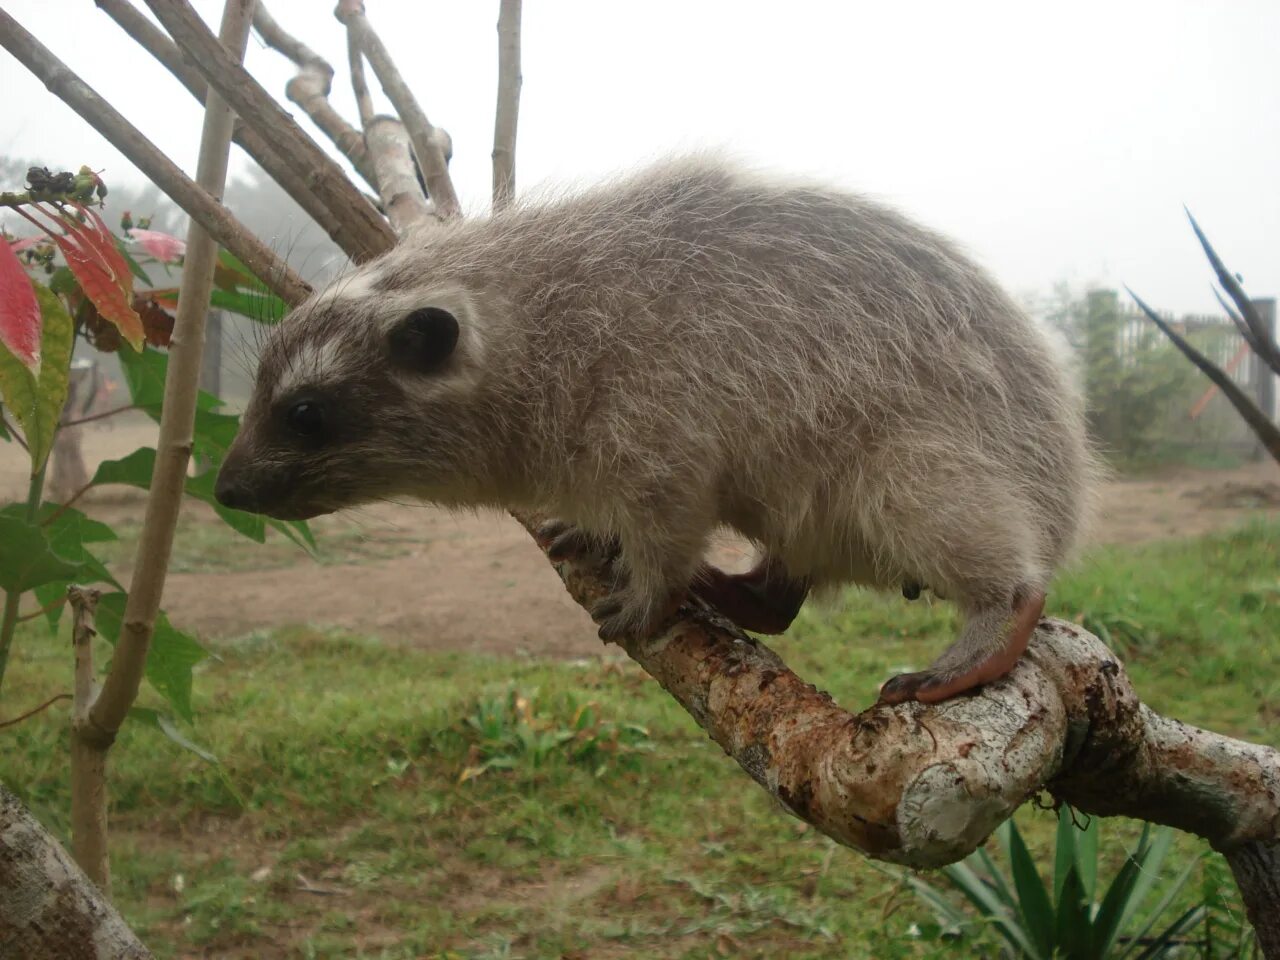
pixel 19 311
pixel 91 253
pixel 164 247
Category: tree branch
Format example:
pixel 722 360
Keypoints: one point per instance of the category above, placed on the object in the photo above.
pixel 50 908
pixel 310 91
pixel 158 168
pixel 508 110
pixel 1258 422
pixel 359 85
pixel 924 785
pixel 428 144
pixel 343 229
pixel 259 111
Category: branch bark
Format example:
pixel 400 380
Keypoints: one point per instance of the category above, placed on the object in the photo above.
pixel 158 168
pixel 310 91
pixel 428 143
pixel 258 110
pixel 173 449
pixel 508 110
pixel 336 223
pixel 50 908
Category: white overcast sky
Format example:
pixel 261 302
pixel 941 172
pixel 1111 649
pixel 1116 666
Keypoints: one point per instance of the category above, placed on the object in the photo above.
pixel 1056 141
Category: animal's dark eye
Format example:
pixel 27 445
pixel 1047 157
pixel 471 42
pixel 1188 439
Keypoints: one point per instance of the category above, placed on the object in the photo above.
pixel 306 419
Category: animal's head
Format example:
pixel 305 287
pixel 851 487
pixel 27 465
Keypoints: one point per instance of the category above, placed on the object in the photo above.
pixel 362 394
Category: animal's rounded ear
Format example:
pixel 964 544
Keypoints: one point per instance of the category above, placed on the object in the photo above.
pixel 424 339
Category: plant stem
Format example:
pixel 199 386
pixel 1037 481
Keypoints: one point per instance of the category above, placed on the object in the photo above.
pixel 9 619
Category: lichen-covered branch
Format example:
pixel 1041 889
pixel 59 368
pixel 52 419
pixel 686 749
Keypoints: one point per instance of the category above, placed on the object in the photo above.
pixel 258 110
pixel 508 110
pixel 924 785
pixel 50 908
pixel 309 89
pixel 337 224
pixel 428 144
pixel 143 154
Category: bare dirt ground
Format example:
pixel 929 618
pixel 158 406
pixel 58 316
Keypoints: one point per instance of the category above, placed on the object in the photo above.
pixel 465 582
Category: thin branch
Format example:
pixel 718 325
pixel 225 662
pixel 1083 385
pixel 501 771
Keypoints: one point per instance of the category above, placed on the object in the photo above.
pixel 32 712
pixel 1266 345
pixel 398 185
pixel 88 753
pixel 99 416
pixel 9 428
pixel 158 168
pixel 428 144
pixel 258 110
pixel 51 605
pixel 309 89
pixel 359 85
pixel 181 387
pixel 1258 422
pixel 508 110
pixel 330 212
pixel 64 507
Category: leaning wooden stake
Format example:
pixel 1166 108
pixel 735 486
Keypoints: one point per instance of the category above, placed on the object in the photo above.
pixel 507 114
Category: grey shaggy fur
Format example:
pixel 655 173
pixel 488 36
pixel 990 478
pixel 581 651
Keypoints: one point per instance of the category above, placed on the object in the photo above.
pixel 691 347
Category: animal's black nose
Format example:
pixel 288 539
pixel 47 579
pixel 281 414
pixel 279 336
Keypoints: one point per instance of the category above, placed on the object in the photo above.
pixel 228 492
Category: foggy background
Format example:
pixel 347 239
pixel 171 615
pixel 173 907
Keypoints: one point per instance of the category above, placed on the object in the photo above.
pixel 1056 143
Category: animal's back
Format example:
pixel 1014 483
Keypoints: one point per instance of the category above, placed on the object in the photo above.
pixel 830 371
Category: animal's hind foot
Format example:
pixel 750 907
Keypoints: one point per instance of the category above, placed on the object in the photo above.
pixel 970 662
pixel 763 600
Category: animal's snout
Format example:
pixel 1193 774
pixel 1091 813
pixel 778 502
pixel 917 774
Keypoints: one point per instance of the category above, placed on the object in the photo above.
pixel 231 491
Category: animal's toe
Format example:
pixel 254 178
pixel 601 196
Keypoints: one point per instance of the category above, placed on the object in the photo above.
pixel 569 544
pixel 904 687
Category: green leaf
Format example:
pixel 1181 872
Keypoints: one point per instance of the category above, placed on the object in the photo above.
pixel 64 282
pixel 56 341
pixel 144 374
pixel 1087 856
pixel 999 908
pixel 1072 925
pixel 164 723
pixel 1064 852
pixel 171 657
pixel 1188 921
pixel 68 531
pixel 134 470
pixel 1106 925
pixel 1150 857
pixel 1175 888
pixel 261 307
pixel 26 557
pixel 1033 899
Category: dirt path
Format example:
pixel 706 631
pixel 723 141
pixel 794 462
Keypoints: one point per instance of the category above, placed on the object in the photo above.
pixel 456 581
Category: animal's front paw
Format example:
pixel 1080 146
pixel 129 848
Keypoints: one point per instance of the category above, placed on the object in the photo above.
pixel 623 616
pixel 564 541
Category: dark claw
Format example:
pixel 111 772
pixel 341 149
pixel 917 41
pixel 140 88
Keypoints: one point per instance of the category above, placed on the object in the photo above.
pixel 550 530
pixel 911 590
pixel 903 687
pixel 570 544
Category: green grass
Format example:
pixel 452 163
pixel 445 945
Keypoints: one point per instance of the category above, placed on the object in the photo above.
pixel 391 803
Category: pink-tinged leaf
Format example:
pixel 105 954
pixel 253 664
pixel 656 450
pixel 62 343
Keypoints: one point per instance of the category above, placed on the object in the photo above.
pixel 17 246
pixel 163 246
pixel 19 312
